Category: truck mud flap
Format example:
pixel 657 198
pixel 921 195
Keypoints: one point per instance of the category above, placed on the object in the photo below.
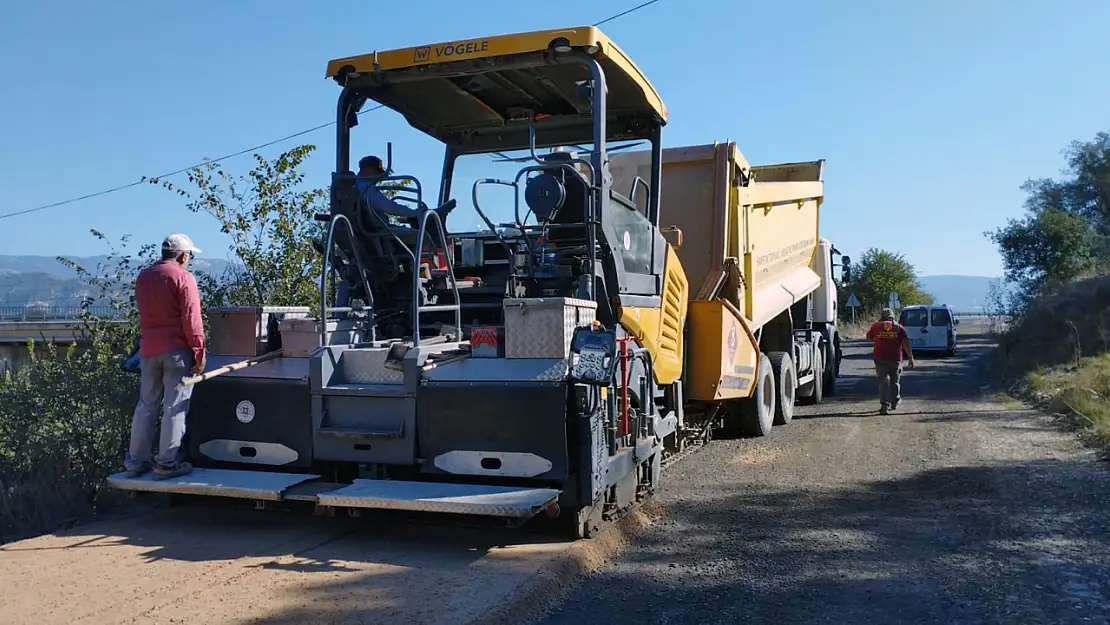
pixel 257 485
pixel 466 499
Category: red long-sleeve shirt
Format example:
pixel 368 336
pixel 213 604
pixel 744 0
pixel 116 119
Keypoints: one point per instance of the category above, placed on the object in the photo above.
pixel 169 310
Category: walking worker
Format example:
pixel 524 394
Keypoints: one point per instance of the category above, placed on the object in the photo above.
pixel 890 340
pixel 171 347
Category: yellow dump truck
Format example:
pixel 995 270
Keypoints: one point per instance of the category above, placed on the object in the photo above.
pixel 761 326
pixel 548 363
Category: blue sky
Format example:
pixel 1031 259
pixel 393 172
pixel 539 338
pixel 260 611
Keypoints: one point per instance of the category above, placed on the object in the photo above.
pixel 930 114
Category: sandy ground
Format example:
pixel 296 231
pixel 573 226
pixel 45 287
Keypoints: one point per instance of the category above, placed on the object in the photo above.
pixel 957 508
pixel 192 565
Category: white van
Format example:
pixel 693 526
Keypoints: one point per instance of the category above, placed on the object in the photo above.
pixel 930 328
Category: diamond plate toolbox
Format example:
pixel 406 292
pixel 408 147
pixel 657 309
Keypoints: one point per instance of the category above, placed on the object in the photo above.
pixel 543 327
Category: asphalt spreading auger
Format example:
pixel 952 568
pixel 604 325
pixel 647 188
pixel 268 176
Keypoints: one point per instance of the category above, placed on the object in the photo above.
pixel 547 364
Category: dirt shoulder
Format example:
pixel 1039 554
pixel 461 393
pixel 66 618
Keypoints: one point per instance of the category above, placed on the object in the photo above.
pixel 956 508
pixel 222 566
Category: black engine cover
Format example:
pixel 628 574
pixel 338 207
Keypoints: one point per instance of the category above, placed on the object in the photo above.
pixel 241 411
pixel 506 417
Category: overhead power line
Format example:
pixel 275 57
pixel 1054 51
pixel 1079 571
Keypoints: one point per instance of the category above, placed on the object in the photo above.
pixel 87 196
pixel 179 171
pixel 629 11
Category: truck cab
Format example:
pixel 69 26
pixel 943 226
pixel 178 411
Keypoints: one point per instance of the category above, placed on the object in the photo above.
pixel 930 328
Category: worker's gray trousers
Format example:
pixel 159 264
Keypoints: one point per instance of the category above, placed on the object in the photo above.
pixel 160 388
pixel 889 373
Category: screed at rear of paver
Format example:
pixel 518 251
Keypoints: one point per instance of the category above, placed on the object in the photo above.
pixel 237 566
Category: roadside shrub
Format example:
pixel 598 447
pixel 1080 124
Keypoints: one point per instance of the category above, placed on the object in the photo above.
pixel 66 419
pixel 1057 352
pixel 1060 327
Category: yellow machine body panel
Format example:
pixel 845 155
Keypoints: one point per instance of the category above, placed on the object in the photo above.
pixel 724 357
pixel 660 329
pixel 749 238
pixel 404 68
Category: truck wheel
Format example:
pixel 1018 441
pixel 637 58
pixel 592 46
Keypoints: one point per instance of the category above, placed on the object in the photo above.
pixel 831 375
pixel 786 386
pixel 755 416
pixel 814 392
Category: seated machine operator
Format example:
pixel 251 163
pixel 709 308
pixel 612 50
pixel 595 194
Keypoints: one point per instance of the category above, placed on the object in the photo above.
pixel 371 167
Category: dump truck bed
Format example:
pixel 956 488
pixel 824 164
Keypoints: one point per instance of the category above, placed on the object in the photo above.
pixel 764 217
pixel 749 235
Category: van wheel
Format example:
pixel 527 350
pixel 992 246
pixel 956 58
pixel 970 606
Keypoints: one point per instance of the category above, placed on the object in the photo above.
pixel 755 416
pixel 786 386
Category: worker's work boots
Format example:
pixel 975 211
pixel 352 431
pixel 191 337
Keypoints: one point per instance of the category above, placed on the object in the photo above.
pixel 165 473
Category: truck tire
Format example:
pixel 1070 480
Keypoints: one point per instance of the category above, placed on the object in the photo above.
pixel 831 374
pixel 755 416
pixel 814 391
pixel 786 386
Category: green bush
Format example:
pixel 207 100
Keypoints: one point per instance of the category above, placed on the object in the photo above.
pixel 65 418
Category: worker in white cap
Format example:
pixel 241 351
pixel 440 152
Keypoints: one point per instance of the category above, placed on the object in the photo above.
pixel 171 347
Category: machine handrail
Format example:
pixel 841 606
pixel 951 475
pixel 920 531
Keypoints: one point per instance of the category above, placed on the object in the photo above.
pixel 418 189
pixel 385 222
pixel 422 232
pixel 378 179
pixel 636 182
pixel 532 148
pixel 336 218
pixel 482 214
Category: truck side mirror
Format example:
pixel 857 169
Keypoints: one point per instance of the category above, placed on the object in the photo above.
pixel 845 269
pixel 674 230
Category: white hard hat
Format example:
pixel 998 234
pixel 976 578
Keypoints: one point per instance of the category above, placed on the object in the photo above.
pixel 179 243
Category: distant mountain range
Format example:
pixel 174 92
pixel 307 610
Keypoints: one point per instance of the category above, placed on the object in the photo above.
pixel 43 281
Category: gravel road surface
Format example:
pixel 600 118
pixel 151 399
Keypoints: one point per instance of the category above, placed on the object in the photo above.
pixel 954 509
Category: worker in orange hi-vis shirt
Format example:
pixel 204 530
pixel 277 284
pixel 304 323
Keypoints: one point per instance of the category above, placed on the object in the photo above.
pixel 890 340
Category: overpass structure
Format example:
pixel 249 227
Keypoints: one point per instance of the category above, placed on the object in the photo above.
pixel 60 326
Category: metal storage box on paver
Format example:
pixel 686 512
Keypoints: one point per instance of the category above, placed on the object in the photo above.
pixel 259 415
pixel 244 330
pixel 542 328
pixel 301 336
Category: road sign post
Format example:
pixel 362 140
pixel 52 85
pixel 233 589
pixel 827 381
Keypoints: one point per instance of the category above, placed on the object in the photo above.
pixel 853 304
pixel 894 303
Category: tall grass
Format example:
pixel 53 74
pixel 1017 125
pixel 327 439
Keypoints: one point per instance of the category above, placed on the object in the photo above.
pixel 1082 390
